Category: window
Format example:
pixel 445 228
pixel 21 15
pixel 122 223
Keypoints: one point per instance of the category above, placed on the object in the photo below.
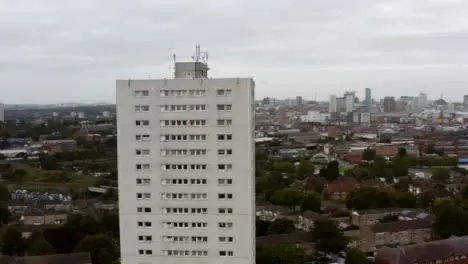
pixel 142 123
pixel 224 167
pixel 179 137
pixel 197 92
pixel 185 225
pixel 145 238
pixel 173 93
pixel 145 252
pixel 224 152
pixel 179 181
pixel 185 253
pixel 141 138
pixel 185 239
pixel 141 93
pixel 183 152
pixel 144 224
pixel 143 181
pixel 224 107
pixel 225 210
pixel 224 182
pixel 224 225
pixel 141 108
pixel 225 137
pixel 225 196
pixel 223 92
pixel 197 107
pixel 184 196
pixel 143 166
pixel 143 196
pixel 227 239
pixel 183 123
pixel 180 210
pixel 224 122
pixel 224 253
pixel 183 167
pixel 142 152
pixel 143 209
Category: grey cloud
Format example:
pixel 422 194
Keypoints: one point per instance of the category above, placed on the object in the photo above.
pixel 72 51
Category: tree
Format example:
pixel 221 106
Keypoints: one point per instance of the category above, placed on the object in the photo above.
pixel 406 200
pixel 402 152
pixel 450 220
pixel 333 170
pixel 261 227
pixel 441 176
pixel 369 198
pixel 280 254
pixel 37 245
pixel 368 154
pixel 388 218
pixel 329 238
pixel 101 247
pixel 4 193
pixel 304 169
pixel 13 243
pixel 4 216
pixel 49 162
pixel 430 149
pixel 110 224
pixel 288 197
pixel 311 203
pixel 427 199
pixel 355 256
pixel 281 226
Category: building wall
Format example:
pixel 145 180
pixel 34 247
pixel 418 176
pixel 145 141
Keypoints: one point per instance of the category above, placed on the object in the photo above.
pixel 242 172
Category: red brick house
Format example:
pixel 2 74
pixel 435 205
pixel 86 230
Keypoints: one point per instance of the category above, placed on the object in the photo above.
pixel 341 187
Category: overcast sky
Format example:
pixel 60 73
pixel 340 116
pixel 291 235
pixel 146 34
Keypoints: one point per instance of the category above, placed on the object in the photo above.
pixel 72 51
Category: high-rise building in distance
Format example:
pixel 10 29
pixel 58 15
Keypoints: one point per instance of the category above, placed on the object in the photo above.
pixel 332 104
pixel 186 162
pixel 368 100
pixel 465 102
pixel 422 100
pixel 349 97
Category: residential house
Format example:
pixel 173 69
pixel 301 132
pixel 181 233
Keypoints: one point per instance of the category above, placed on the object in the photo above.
pixel 272 212
pixel 306 221
pixel 72 258
pixel 60 145
pixel 303 240
pixel 396 233
pixel 43 217
pixel 341 187
pixel 364 218
pixel 452 250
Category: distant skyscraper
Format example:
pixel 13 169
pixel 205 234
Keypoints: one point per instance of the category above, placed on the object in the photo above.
pixel 389 104
pixel 368 101
pixel 422 100
pixel 2 112
pixel 332 104
pixel 349 97
pixel 465 102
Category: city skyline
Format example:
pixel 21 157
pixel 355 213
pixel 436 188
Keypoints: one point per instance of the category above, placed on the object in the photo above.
pixel 50 54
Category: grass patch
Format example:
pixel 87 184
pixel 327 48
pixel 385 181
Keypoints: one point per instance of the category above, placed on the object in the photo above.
pixel 39 176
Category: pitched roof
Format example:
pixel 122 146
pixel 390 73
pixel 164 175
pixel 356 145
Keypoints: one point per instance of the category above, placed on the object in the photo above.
pixel 425 252
pixel 73 258
pixel 293 238
pixel 401 226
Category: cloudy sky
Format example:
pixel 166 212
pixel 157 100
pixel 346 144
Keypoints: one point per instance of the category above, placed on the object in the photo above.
pixel 69 51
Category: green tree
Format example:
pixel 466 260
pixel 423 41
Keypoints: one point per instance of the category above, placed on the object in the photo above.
pixel 305 168
pixel 101 247
pixel 329 238
pixel 311 203
pixel 5 216
pixel 280 254
pixel 261 227
pixel 430 149
pixel 355 256
pixel 369 198
pixel 450 220
pixel 406 200
pixel 288 197
pixel 388 218
pixel 441 176
pixel 110 224
pixel 368 154
pixel 427 199
pixel 333 170
pixel 49 162
pixel 402 152
pixel 37 245
pixel 4 193
pixel 281 226
pixel 13 243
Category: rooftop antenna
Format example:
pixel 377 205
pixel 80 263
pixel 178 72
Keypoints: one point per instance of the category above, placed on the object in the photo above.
pixel 173 63
pixel 200 58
